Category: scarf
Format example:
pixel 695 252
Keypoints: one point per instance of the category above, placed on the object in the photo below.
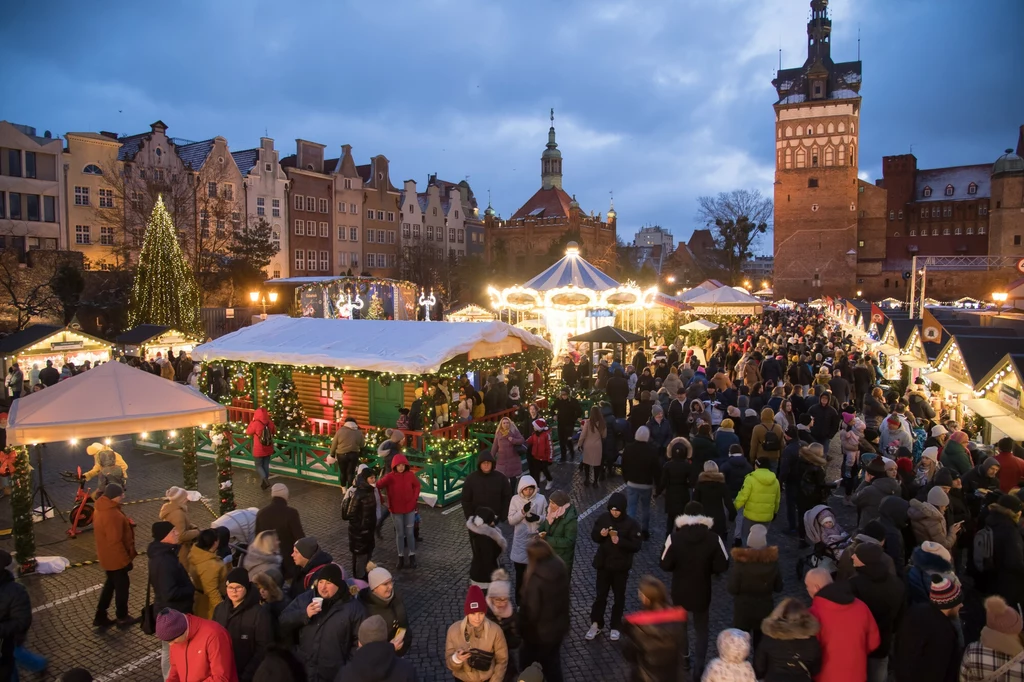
pixel 558 513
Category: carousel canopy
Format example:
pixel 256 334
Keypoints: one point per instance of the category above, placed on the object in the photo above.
pixel 109 400
pixel 396 346
pixel 571 270
pixel 699 326
pixel 607 335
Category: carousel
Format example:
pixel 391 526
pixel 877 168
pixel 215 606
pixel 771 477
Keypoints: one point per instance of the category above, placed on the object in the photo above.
pixel 573 297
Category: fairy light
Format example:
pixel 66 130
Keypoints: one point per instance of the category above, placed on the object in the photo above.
pixel 73 441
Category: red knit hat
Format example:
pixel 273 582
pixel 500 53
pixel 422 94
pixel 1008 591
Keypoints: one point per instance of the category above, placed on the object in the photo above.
pixel 475 602
pixel 905 464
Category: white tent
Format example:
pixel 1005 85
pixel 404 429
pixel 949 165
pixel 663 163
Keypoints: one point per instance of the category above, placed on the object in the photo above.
pixel 699 326
pixel 399 347
pixel 701 289
pixel 112 399
pixel 726 301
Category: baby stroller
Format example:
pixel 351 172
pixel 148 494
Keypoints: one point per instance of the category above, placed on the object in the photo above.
pixel 828 538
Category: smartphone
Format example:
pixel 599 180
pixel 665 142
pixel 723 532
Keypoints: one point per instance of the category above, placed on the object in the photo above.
pixel 399 634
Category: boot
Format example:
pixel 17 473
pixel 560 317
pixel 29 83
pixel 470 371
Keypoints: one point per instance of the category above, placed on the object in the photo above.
pixel 126 622
pixel 401 562
pixel 102 620
pixel 412 561
pixel 264 484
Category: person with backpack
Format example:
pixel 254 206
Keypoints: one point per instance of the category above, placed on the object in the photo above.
pixel 359 508
pixel 999 550
pixel 766 440
pixel 262 430
pixel 345 448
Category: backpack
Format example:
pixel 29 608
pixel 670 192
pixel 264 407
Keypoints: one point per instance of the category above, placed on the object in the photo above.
pixel 984 543
pixel 266 436
pixel 808 485
pixel 771 442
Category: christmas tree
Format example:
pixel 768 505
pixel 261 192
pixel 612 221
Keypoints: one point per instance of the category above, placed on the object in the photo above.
pixel 376 309
pixel 164 291
pixel 287 412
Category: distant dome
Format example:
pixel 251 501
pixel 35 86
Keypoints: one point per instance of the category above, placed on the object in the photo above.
pixel 1008 163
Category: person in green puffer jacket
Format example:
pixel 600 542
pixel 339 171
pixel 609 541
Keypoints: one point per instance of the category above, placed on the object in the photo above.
pixel 559 528
pixel 759 497
pixel 954 453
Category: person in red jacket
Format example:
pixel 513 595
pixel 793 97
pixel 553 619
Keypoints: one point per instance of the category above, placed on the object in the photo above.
pixel 403 489
pixel 200 649
pixel 539 448
pixel 262 444
pixel 848 630
pixel 1011 467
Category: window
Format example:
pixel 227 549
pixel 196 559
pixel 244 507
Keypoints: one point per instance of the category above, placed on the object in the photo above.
pixel 92 169
pixel 353 234
pixel 371 260
pixel 981 229
pixel 267 168
pixel 300 227
pixel 348 183
pixel 430 233
pixel 107 236
pixel 352 209
pixel 945 232
pixel 14 211
pixel 298 202
pixel 81 196
pixel 275 208
pixel 204 219
pixel 275 237
pixel 899 215
pixel 892 215
pixel 343 259
pixel 261 208
pixel 982 210
pixel 935 211
pixel 913 233
pixel 970 230
pixel 50 209
pixel 106 198
pixel 860 243
pixel 300 259
pixel 451 234
pixel 211 190
pixel 841 155
pixel 393 260
pixel 311 204
pixel 342 234
pixel 391 216
pixel 83 235
pixel 380 236
pixel 324 261
pixel 935 232
pixel 462 236
pixel 1016 240
pixel 324 230
pixel 221 227
pixel 415 231
pixel 341 207
pixel 369 214
pixel 947 211
pixel 456 214
pixel 229 191
pixel 371 236
pixel 406 231
pixel 949 190
pixel 801 158
pixel 311 259
pixel 3 204
pixel 391 236
pixel 829 155
pixel 924 212
pixel 14 163
pixel 158 175
pixel 323 206
pixel 972 188
pixel 32 207
pixel 927 192
pixel 355 259
pixel 957 231
pixel 277 273
pixel 812 182
pixel 380 215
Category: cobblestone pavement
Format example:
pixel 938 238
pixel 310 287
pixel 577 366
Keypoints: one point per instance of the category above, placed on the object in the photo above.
pixel 64 604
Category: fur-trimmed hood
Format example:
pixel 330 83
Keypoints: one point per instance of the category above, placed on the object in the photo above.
pixel 803 626
pixel 920 510
pixel 262 580
pixel 694 520
pixel 746 555
pixel 475 524
pixel 930 563
pixel 1000 509
pixel 711 476
pixel 811 456
pixel 680 442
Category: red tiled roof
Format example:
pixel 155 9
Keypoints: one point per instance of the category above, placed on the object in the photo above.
pixel 554 202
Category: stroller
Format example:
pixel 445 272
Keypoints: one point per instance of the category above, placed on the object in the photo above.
pixel 828 538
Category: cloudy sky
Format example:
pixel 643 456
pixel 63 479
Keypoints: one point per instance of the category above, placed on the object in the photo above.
pixel 660 101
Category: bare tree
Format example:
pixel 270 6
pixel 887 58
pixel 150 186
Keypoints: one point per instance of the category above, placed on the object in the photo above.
pixel 736 219
pixel 27 283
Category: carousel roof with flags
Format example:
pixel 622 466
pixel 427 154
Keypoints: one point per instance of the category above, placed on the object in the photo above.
pixel 571 270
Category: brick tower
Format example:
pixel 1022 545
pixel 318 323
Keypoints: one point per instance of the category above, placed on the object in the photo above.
pixel 817 120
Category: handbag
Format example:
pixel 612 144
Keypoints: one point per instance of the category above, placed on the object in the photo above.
pixel 147 617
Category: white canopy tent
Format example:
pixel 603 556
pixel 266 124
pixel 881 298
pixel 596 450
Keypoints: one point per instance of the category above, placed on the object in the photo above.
pixel 112 399
pixel 699 326
pixel 395 346
pixel 726 301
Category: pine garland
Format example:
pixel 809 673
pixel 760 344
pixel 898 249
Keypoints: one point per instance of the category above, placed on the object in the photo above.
pixel 222 457
pixel 189 462
pixel 164 291
pixel 21 511
pixel 288 413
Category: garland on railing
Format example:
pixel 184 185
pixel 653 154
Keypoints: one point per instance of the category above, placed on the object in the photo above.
pixel 440 449
pixel 189 461
pixel 221 441
pixel 17 460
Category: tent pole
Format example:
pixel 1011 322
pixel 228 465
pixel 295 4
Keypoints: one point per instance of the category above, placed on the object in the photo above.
pixel 45 501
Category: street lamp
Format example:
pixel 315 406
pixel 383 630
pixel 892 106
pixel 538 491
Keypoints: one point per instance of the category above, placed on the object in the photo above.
pixel 746 284
pixel 1000 298
pixel 255 297
pixel 671 279
pixel 764 284
pixel 859 293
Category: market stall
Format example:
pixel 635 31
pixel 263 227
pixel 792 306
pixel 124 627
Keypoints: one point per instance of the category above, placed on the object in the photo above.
pixel 350 297
pixel 146 340
pixel 41 342
pixel 998 399
pixel 962 363
pixel 311 373
pixel 470 313
pixel 724 300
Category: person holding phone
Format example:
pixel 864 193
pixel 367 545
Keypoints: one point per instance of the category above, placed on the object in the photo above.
pixel 475 648
pixel 618 538
pixel 928 519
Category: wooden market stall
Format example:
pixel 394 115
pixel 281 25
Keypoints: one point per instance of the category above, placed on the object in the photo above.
pixel 41 342
pixel 146 340
pixel 998 399
pixel 366 370
pixel 963 361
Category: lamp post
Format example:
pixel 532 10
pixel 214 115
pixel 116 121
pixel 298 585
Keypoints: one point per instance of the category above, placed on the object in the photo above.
pixel 999 297
pixel 859 293
pixel 428 302
pixel 255 297
pixel 671 279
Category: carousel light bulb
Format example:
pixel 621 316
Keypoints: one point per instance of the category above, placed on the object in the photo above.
pixel 106 441
pixel 173 434
pixel 143 435
pixel 73 441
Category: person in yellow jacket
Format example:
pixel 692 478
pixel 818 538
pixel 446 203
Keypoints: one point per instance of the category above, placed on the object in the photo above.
pixel 208 572
pixel 94 451
pixel 759 497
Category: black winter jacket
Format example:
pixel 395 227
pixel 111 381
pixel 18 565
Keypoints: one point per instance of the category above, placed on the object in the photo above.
pixel 826 420
pixel 1007 576
pixel 928 646
pixel 655 644
pixel 172 587
pixel 487 545
pixel 306 575
pixel 252 632
pixel 376 662
pixel 544 612
pixel 489 490
pixel 618 556
pixel 716 499
pixel 640 464
pixel 892 514
pixel 278 516
pixel 393 613
pixel 677 477
pixel 693 554
pixel 884 595
pixel 360 511
pixel 704 450
pixel 753 580
pixel 735 468
pixel 326 641
pixel 789 650
pixel 15 618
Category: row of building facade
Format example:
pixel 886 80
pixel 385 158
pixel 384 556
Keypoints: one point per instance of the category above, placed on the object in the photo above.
pixel 92 192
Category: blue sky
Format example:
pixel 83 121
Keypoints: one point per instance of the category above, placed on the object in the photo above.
pixel 660 101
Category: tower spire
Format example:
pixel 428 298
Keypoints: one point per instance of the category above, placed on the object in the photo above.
pixel 551 160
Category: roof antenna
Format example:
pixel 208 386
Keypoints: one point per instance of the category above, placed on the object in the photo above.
pixel 858 42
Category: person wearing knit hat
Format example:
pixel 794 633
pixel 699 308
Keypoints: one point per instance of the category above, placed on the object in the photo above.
pixel 757 538
pixel 478 637
pixel 641 470
pixel 714 494
pixel 954 453
pixel 559 527
pixel 938 498
pixel 309 559
pixel 725 437
pixel 504 613
pixel 381 598
pixel 873 489
pixel 876 584
pixel 250 626
pixel 376 657
pixel 618 537
pixel 999 650
pixel 373 629
pixel 279 490
pixel 114 534
pixel 980 483
pixel 94 450
pixel 307 547
pixel 175 510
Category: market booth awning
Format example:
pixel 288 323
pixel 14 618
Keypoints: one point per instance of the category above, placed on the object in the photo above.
pixel 699 326
pixel 950 383
pixel 156 337
pixel 395 346
pixel 111 399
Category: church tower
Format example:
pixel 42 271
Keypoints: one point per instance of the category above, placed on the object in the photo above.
pixel 551 160
pixel 817 121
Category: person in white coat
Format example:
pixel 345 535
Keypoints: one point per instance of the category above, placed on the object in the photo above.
pixel 525 512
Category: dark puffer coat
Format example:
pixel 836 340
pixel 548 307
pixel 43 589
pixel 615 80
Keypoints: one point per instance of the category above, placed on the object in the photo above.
pixel 884 594
pixel 677 477
pixel 16 618
pixel 789 650
pixel 252 631
pixel 325 641
pixel 655 644
pixel 489 490
pixel 693 554
pixel 393 613
pixel 360 511
pixel 544 612
pixel 716 499
pixel 754 578
pixel 377 662
pixel 172 588
pixel 612 556
pixel 487 544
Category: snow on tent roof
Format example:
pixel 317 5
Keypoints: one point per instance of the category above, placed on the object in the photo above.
pixel 572 270
pixel 723 295
pixel 401 347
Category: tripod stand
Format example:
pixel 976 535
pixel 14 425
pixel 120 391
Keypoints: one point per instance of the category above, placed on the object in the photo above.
pixel 46 503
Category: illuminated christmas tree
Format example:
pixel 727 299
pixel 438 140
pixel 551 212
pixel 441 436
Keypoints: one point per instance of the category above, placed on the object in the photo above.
pixel 376 309
pixel 287 412
pixel 164 291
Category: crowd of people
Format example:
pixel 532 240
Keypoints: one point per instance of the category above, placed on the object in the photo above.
pixel 739 447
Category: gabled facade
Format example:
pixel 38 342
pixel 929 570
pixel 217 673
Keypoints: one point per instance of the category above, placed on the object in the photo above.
pixel 91 161
pixel 265 188
pixel 311 192
pixel 380 218
pixel 32 189
pixel 348 200
pixel 219 197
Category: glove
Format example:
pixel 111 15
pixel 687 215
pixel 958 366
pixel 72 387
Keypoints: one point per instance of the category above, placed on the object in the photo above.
pixel 526 508
pixel 532 518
